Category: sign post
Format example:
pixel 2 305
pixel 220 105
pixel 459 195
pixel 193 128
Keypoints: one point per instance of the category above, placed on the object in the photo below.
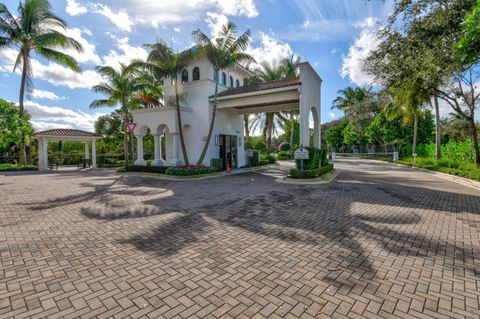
pixel 301 154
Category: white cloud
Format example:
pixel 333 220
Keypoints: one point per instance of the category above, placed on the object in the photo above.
pixel 120 19
pixel 73 8
pixel 270 50
pixel 89 54
pixel 215 22
pixel 177 29
pixel 44 117
pixel 125 54
pixel 160 13
pixel 52 72
pixel 353 63
pixel 238 8
pixel 327 30
pixel 42 94
pixel 332 115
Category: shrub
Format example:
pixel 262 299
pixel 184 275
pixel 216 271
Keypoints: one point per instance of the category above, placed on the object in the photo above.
pixel 122 163
pixel 324 169
pixel 15 168
pixel 283 155
pixel 316 157
pixel 260 146
pixel 309 173
pixel 284 147
pixel 190 170
pixel 248 146
pixel 267 159
pixel 217 163
pixel 143 168
pixel 255 158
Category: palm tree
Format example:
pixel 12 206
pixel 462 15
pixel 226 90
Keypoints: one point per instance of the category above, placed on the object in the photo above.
pixel 122 87
pixel 35 30
pixel 349 97
pixel 163 62
pixel 290 65
pixel 223 52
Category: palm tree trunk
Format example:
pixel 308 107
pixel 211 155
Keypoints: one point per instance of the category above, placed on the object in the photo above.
pixel 125 141
pixel 212 123
pixel 246 128
pixel 438 143
pixel 23 151
pixel 180 126
pixel 415 129
pixel 474 136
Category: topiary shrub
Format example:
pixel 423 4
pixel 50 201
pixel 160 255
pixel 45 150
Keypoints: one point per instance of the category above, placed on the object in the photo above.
pixel 190 170
pixel 316 157
pixel 324 169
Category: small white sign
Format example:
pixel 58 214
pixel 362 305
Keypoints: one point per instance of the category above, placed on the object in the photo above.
pixel 301 153
pixel 249 153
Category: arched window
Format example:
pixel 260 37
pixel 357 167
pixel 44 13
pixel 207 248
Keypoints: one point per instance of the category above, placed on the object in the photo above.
pixel 185 76
pixel 215 74
pixel 237 83
pixel 196 73
pixel 231 82
pixel 224 78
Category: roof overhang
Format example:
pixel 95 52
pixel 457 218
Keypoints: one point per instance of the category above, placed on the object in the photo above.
pixel 273 100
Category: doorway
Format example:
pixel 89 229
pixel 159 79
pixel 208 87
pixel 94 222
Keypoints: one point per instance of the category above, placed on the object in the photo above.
pixel 228 150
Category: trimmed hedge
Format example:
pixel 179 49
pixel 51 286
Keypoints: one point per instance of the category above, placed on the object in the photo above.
pixel 16 168
pixel 144 168
pixel 283 155
pixel 464 169
pixel 267 159
pixel 190 170
pixel 256 158
pixel 311 173
pixel 217 163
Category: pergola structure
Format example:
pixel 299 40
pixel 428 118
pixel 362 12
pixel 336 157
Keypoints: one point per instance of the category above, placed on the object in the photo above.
pixel 64 135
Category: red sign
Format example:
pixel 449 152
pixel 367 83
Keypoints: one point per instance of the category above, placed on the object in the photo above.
pixel 131 126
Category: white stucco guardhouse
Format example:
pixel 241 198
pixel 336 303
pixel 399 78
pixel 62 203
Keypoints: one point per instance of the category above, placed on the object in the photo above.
pixel 234 100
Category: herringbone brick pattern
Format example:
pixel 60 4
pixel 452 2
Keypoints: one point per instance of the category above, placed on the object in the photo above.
pixel 378 242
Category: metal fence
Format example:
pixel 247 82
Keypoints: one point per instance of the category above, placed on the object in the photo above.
pixel 389 156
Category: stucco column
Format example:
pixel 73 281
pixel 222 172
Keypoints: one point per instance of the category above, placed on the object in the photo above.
pixel 86 151
pixel 317 138
pixel 140 160
pixel 40 153
pixel 94 155
pixel 175 149
pixel 157 161
pixel 304 114
pixel 45 154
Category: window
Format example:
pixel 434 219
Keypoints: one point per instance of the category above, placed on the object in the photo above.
pixel 185 76
pixel 215 74
pixel 237 83
pixel 231 82
pixel 224 78
pixel 196 73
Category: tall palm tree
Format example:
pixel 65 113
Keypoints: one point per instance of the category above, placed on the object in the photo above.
pixel 223 52
pixel 163 62
pixel 34 29
pixel 121 88
pixel 349 97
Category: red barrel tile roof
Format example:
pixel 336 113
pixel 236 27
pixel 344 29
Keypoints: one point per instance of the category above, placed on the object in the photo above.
pixel 66 132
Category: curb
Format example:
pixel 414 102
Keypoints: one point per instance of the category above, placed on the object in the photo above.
pixel 310 181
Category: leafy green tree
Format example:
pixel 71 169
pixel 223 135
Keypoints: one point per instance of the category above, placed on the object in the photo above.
pixel 351 136
pixel 33 30
pixel 223 52
pixel 163 62
pixel 334 135
pixel 468 47
pixel 12 125
pixel 120 88
pixel 111 129
pixel 426 43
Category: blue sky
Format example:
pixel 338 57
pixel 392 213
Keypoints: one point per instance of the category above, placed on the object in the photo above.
pixel 333 35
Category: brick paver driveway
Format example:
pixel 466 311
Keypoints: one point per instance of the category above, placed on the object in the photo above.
pixel 379 241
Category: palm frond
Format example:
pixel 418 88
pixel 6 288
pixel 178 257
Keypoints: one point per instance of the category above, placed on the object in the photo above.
pixel 59 57
pixel 201 38
pixel 54 38
pixel 100 103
